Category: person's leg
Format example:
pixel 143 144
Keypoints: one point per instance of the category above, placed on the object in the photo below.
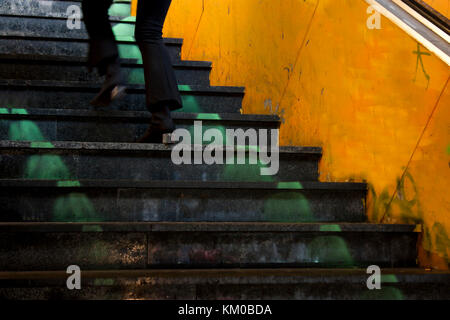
pixel 103 51
pixel 162 93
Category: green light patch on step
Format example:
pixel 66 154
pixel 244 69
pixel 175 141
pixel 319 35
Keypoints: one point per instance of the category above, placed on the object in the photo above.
pixel 42 145
pixel 19 111
pixel 389 278
pixel 208 116
pixel 119 10
pixel 330 228
pixel 129 19
pixel 184 87
pixel 68 183
pixel 290 185
pixel 103 282
pixel 128 51
pixel 124 38
pixel 92 228
pixel 13 111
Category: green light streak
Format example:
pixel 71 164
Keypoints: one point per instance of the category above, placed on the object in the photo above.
pixel 385 293
pixel 330 228
pixel 130 51
pixel 389 278
pixel 120 10
pixel 290 185
pixel 25 130
pixel 46 167
pixel 91 228
pixel 74 207
pixel 287 207
pixel 331 251
pixel 42 145
pixel 68 183
pixel 104 282
pixel 19 111
pixel 208 116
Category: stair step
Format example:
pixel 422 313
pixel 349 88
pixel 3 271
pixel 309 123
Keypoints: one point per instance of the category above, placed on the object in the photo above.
pixel 72 68
pixel 81 160
pixel 112 126
pixel 76 95
pixel 55 246
pixel 11 26
pixel 56 9
pixel 124 200
pixel 236 284
pixel 46 45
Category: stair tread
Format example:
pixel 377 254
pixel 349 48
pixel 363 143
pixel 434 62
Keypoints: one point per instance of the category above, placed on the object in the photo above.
pixel 94 86
pixel 125 147
pixel 267 275
pixel 47 58
pixel 134 184
pixel 201 227
pixel 120 39
pixel 64 16
pixel 17 112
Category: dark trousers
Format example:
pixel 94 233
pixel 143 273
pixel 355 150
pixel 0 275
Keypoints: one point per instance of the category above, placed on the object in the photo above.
pixel 160 81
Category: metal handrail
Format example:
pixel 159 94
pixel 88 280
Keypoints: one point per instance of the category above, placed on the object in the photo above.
pixel 430 14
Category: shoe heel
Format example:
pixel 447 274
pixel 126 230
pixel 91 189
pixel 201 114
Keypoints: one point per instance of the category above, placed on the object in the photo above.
pixel 168 139
pixel 118 93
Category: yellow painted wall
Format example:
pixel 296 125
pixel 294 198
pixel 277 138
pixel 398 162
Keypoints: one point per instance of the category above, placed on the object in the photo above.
pixel 375 100
pixel 443 6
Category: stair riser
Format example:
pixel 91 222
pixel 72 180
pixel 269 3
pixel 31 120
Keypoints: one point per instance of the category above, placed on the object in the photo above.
pixel 56 251
pixel 73 48
pixel 79 72
pixel 67 98
pixel 114 204
pixel 145 291
pixel 58 9
pixel 102 130
pixel 141 166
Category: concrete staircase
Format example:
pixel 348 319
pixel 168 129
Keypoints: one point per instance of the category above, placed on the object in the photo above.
pixel 75 191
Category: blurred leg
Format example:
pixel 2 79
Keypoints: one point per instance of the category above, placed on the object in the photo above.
pixel 102 43
pixel 103 51
pixel 160 81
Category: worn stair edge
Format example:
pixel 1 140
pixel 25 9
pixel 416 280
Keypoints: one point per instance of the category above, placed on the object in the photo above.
pixel 63 16
pixel 120 126
pixel 315 152
pixel 219 284
pixel 119 40
pixel 70 60
pixel 52 85
pixel 132 184
pixel 241 276
pixel 135 116
pixel 102 227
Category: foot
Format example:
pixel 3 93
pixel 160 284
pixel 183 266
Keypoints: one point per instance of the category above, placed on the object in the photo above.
pixel 113 88
pixel 161 127
pixel 108 94
pixel 155 135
